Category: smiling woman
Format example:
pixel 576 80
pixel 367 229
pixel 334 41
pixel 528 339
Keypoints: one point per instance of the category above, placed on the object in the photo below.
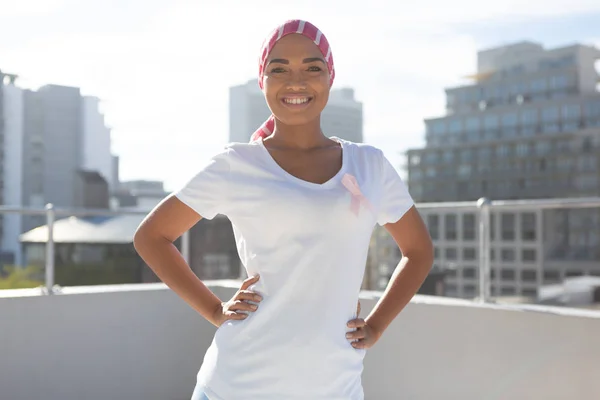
pixel 297 87
pixel 303 206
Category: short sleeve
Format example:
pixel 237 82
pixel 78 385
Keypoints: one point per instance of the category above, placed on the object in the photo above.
pixel 207 192
pixel 395 198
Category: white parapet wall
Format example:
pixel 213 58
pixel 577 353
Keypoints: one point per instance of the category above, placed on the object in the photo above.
pixel 141 342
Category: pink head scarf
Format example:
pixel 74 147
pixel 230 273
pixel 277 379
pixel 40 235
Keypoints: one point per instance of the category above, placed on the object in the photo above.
pixel 293 26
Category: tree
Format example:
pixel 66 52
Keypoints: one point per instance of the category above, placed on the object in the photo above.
pixel 20 278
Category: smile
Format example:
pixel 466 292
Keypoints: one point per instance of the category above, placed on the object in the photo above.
pixel 296 101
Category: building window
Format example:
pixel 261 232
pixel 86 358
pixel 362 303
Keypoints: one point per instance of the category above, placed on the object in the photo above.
pixel 539 85
pixel 448 156
pixel 507 291
pixel 464 170
pixel 559 82
pixel 450 227
pixel 451 254
pixel 469 272
pixel 415 173
pixel 437 127
pixel 592 109
pixel 551 276
pixel 507 274
pixel 528 255
pixel 433 224
pixel 216 265
pixel 469 253
pixel 529 117
pixel 528 227
pixel 571 111
pixel 472 124
pixel 509 124
pixel 484 154
pixel 469 291
pixel 507 226
pixel 466 155
pixel 508 255
pixel 550 114
pixel 455 126
pixel 502 150
pixel 523 149
pixel 543 147
pixel 468 221
pixel 491 122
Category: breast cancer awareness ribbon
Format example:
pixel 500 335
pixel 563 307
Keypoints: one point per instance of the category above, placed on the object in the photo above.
pixel 350 183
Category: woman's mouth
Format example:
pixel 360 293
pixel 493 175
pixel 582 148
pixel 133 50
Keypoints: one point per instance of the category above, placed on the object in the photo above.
pixel 296 101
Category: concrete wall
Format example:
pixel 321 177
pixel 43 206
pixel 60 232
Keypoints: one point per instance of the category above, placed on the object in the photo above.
pixel 142 342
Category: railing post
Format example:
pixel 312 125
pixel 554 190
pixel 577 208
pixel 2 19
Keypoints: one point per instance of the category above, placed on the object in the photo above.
pixel 50 216
pixel 484 206
pixel 185 246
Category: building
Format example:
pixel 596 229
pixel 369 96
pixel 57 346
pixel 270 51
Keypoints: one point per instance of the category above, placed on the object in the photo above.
pixel 140 194
pixel 342 117
pixel 56 140
pixel 11 142
pixel 99 250
pixel 96 141
pixel 527 127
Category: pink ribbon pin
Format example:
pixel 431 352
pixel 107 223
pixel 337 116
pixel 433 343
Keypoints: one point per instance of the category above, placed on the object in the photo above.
pixel 350 183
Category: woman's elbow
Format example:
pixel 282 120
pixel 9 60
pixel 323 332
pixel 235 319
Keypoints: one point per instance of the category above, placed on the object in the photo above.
pixel 139 238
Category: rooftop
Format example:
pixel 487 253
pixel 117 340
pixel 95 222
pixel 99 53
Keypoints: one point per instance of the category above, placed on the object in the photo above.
pixel 142 342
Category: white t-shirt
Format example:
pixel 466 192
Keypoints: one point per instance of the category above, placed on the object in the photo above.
pixel 310 248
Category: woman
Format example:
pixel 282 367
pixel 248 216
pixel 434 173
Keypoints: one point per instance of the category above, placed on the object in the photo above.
pixel 303 207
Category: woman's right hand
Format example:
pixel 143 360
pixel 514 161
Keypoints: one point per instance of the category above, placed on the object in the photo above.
pixel 239 302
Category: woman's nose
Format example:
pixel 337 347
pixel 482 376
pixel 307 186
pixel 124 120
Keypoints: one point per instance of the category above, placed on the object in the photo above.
pixel 296 82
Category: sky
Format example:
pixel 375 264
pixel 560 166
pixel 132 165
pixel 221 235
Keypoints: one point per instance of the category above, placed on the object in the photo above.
pixel 163 68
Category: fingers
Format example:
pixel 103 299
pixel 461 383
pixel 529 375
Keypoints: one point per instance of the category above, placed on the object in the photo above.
pixel 356 323
pixel 250 281
pixel 358 337
pixel 240 305
pixel 248 296
pixel 357 334
pixel 236 316
pixel 358 309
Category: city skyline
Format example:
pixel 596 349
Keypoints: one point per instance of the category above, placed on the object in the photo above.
pixel 164 79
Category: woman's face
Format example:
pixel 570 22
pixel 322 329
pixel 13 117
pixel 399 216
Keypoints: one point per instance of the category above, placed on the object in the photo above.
pixel 296 80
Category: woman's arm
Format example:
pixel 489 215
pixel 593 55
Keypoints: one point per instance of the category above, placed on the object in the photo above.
pixel 153 241
pixel 412 237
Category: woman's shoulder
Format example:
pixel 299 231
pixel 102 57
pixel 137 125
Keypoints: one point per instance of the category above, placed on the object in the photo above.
pixel 362 152
pixel 238 155
pixel 234 150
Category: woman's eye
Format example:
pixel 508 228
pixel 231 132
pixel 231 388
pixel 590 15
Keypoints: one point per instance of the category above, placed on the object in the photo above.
pixel 314 68
pixel 277 70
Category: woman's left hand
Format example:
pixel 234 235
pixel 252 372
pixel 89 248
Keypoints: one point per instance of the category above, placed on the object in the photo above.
pixel 364 337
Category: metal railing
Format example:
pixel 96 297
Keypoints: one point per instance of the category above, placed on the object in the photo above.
pixel 483 207
pixel 52 213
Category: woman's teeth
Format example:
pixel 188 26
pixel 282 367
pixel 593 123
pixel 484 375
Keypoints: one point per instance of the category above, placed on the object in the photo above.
pixel 296 100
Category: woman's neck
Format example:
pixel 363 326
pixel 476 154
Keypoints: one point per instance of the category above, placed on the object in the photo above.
pixel 304 136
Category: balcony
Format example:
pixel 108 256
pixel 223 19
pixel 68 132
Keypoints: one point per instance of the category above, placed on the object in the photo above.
pixel 140 342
